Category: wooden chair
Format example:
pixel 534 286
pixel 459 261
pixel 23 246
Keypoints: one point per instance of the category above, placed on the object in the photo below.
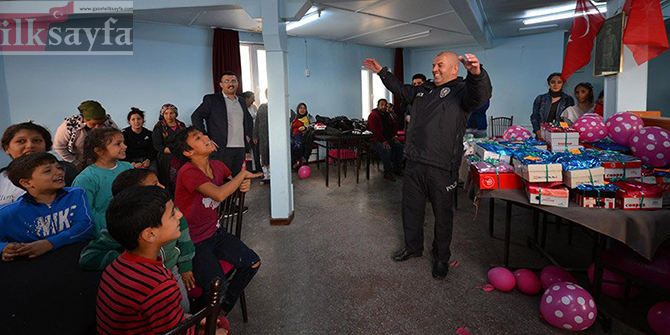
pixel 210 313
pixel 344 152
pixel 498 125
pixel 231 214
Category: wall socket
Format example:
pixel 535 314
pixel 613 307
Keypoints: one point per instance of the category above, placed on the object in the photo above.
pixel 306 72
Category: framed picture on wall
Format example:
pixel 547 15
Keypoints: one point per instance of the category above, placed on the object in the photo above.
pixel 609 47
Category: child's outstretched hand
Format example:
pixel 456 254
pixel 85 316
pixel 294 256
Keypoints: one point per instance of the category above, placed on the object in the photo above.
pixel 9 252
pixel 35 249
pixel 246 184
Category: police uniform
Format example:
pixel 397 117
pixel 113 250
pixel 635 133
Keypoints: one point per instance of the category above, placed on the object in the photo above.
pixel 433 150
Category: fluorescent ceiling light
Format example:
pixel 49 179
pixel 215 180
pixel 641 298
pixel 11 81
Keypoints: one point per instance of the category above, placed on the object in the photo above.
pixel 544 26
pixel 555 10
pixel 312 15
pixel 406 38
pixel 561 16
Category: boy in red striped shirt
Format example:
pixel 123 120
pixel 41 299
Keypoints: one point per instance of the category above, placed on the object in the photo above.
pixel 137 294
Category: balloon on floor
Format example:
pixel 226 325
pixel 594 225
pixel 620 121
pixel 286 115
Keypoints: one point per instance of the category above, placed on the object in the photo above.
pixel 527 282
pixel 568 306
pixel 502 279
pixel 304 172
pixel 659 318
pixel 554 274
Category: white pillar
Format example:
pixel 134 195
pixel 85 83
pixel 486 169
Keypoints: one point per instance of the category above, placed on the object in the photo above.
pixel 281 185
pixel 626 91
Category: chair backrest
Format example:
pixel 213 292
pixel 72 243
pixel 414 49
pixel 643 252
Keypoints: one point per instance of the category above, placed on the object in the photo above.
pixel 210 313
pixel 498 125
pixel 347 140
pixel 231 213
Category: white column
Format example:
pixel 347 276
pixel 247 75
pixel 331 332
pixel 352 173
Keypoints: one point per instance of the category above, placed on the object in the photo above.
pixel 626 91
pixel 281 185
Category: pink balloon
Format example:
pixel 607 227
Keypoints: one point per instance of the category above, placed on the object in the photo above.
pixel 304 172
pixel 621 126
pixel 553 274
pixel 502 279
pixel 568 306
pixel 527 282
pixel 591 129
pixel 659 318
pixel 515 133
pixel 613 285
pixel 586 115
pixel 652 146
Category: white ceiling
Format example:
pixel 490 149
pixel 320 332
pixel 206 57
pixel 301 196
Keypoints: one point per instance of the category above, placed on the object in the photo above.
pixel 372 22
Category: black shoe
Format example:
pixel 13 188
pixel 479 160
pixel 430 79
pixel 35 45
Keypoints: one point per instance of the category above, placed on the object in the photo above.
pixel 440 270
pixel 403 255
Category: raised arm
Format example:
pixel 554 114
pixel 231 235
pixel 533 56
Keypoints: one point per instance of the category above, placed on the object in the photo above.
pixel 477 83
pixel 405 92
pixel 220 193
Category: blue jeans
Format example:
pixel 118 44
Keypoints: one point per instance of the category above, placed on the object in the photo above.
pixel 224 246
pixel 391 157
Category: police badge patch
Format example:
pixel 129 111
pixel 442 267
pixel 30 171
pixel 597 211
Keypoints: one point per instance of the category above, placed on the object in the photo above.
pixel 444 92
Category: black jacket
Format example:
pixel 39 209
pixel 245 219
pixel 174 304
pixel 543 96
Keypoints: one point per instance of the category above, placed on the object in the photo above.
pixel 211 117
pixel 439 116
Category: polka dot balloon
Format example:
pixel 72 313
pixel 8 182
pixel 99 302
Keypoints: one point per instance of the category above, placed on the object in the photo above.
pixel 592 115
pixel 622 125
pixel 568 306
pixel 590 128
pixel 652 146
pixel 516 133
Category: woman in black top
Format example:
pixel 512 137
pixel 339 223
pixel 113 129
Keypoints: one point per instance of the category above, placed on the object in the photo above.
pixel 167 125
pixel 140 152
pixel 549 106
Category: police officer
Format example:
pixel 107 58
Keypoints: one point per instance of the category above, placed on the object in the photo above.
pixel 434 147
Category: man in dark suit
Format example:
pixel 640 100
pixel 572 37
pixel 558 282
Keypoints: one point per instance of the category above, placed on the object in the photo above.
pixel 224 117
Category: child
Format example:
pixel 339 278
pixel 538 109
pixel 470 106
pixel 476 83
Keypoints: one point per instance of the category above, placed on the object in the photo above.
pixel 20 139
pixel 176 255
pixel 103 151
pixel 48 216
pixel 200 188
pixel 137 294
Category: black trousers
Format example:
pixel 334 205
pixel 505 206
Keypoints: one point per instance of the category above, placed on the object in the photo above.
pixel 232 157
pixel 423 182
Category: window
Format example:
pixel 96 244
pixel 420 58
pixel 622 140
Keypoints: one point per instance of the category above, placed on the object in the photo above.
pixel 372 89
pixel 254 71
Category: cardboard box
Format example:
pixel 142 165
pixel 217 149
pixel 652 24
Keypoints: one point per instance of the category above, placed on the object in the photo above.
pixel 628 169
pixel 550 194
pixel 485 154
pixel 501 181
pixel 558 139
pixel 573 178
pixel 634 195
pixel 595 199
pixel 539 172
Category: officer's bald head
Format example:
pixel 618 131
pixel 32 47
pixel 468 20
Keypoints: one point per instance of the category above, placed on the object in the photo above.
pixel 445 67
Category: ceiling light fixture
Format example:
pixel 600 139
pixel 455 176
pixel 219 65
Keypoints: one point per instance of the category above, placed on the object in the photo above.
pixel 561 16
pixel 544 26
pixel 312 15
pixel 556 9
pixel 406 38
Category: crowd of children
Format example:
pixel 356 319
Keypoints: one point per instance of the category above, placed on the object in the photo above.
pixel 150 252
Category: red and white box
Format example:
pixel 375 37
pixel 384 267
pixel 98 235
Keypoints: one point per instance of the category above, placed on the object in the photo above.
pixel 500 181
pixel 559 137
pixel 595 199
pixel 632 168
pixel 550 194
pixel 635 195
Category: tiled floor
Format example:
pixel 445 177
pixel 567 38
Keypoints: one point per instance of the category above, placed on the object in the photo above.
pixel 330 271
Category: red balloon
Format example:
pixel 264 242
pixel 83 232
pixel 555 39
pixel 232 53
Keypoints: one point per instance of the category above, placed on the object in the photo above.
pixel 659 318
pixel 304 172
pixel 502 279
pixel 527 282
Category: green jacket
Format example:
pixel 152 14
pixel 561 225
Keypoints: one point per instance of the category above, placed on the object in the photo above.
pixel 103 251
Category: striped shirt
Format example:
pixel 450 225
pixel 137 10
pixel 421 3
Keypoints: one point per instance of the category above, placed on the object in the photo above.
pixel 138 296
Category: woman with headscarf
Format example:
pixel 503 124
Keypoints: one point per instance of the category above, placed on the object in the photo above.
pixel 70 135
pixel 167 125
pixel 301 138
pixel 549 106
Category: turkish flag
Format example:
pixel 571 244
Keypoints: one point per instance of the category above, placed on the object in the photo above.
pixel 585 27
pixel 645 32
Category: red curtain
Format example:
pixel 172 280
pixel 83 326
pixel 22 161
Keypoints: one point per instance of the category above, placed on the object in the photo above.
pixel 398 71
pixel 226 56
